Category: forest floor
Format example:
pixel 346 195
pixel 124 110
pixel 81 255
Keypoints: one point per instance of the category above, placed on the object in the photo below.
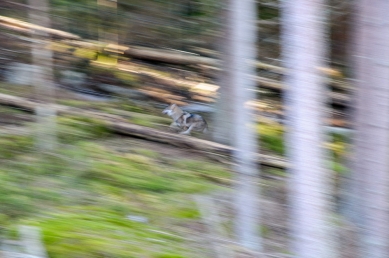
pixel 102 194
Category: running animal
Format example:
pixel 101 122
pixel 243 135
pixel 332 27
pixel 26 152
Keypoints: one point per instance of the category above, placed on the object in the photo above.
pixel 185 120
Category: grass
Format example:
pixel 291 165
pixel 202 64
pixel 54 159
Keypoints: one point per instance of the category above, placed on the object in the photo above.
pixel 75 128
pixel 79 235
pixel 12 145
pixel 272 140
pixel 271 137
pixel 11 110
pixel 82 195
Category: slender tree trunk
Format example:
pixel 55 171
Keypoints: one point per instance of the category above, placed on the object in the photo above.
pixel 43 76
pixel 304 43
pixel 362 38
pixel 222 131
pixel 372 136
pixel 242 37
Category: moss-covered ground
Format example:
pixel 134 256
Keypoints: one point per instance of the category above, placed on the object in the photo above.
pixel 102 195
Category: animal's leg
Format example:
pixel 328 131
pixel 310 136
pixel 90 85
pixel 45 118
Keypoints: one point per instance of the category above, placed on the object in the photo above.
pixel 189 129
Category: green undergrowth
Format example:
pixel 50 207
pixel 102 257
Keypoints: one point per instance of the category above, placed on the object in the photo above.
pixel 272 140
pixel 11 110
pixel 15 89
pixel 76 128
pixel 13 145
pixel 92 200
pixel 338 148
pixel 271 137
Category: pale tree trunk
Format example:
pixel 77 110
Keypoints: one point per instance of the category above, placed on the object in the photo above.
pixel 372 135
pixel 304 52
pixel 222 129
pixel 43 77
pixel 361 62
pixel 242 37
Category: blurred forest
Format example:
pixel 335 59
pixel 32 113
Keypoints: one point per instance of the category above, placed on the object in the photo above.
pixel 116 181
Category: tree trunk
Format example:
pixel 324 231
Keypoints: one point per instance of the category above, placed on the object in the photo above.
pixel 304 43
pixel 242 36
pixel 222 130
pixel 360 51
pixel 43 76
pixel 372 136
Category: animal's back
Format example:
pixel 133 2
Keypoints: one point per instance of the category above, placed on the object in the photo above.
pixel 199 121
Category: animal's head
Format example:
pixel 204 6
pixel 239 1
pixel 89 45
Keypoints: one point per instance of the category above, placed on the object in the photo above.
pixel 170 109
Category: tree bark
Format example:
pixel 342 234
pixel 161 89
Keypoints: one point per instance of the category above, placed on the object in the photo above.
pixel 43 76
pixel 360 53
pixel 242 36
pixel 304 43
pixel 222 118
pixel 372 134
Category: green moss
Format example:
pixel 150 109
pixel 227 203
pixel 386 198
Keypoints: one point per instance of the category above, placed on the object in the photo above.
pixel 101 233
pixel 129 106
pixel 271 137
pixel 13 145
pixel 81 195
pixel 168 255
pixel 275 171
pixel 187 213
pixel 147 153
pixel 17 197
pixel 106 59
pixel 81 103
pixel 11 110
pixel 74 129
pixel 142 122
pixel 338 167
pixel 127 78
pixel 85 53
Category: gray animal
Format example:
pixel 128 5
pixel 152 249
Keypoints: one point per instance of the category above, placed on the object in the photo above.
pixel 185 120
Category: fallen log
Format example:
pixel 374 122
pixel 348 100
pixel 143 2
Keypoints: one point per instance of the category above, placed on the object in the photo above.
pixel 164 97
pixel 266 83
pixel 144 53
pixel 26 28
pixel 167 56
pixel 213 72
pixel 208 64
pixel 120 125
pixel 190 142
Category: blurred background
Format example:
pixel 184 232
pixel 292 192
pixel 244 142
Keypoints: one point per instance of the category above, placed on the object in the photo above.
pixel 89 165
